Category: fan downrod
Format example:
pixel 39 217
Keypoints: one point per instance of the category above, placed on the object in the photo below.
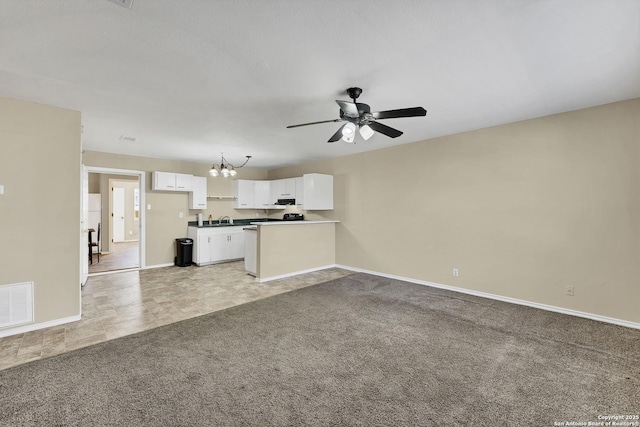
pixel 354 93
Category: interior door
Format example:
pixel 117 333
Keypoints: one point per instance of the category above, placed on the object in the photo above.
pixel 84 217
pixel 118 214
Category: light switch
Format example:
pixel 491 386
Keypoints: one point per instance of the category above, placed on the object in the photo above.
pixel 181 215
pixel 149 207
pixel 1 190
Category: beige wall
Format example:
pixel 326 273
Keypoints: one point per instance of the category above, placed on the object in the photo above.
pixel 286 249
pixel 40 210
pixel 522 210
pixel 163 222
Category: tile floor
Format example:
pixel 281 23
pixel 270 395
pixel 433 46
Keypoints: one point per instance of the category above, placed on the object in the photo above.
pixel 124 303
pixel 122 256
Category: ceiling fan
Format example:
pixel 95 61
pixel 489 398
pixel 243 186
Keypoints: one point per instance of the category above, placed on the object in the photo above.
pixel 359 116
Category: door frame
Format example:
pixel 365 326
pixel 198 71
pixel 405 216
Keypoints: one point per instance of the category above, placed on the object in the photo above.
pixel 141 185
pixel 84 214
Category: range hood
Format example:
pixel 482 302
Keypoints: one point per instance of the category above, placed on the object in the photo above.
pixel 286 202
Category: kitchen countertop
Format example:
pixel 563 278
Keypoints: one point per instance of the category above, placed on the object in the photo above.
pixel 236 223
pixel 305 222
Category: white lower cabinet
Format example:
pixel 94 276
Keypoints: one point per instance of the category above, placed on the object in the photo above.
pixel 251 251
pixel 212 245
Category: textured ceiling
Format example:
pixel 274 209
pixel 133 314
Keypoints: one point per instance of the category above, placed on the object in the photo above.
pixel 190 79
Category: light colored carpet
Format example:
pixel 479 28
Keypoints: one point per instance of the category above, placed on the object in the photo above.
pixel 360 350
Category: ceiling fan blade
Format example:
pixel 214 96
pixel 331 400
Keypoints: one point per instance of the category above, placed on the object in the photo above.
pixel 313 123
pixel 384 129
pixel 402 112
pixel 363 108
pixel 349 109
pixel 336 136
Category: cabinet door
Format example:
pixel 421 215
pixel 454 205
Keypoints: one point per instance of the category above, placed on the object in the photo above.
pixel 289 188
pixel 277 188
pixel 204 249
pixel 236 245
pixel 198 197
pixel 318 191
pixel 184 182
pixel 261 194
pixel 164 181
pixel 299 192
pixel 219 247
pixel 243 192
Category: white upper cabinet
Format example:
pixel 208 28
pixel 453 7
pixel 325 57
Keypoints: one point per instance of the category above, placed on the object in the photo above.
pixel 299 192
pixel 262 195
pixel 164 181
pixel 312 191
pixel 198 197
pixel 317 191
pixel 283 189
pixel 243 193
pixel 169 181
pixel 184 182
pixel 251 194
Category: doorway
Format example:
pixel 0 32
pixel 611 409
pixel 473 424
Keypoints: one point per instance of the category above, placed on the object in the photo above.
pixel 120 217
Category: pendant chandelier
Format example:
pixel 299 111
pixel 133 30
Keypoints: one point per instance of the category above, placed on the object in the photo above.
pixel 225 168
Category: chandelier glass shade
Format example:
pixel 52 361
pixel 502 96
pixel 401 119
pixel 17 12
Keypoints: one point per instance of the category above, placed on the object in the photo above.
pixel 225 169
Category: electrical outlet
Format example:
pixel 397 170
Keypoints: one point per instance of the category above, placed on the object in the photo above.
pixel 568 290
pixel 455 272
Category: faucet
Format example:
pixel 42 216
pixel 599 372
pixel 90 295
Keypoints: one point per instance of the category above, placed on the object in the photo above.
pixel 222 218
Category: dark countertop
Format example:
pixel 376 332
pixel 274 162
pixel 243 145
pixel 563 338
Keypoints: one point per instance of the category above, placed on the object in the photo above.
pixel 236 222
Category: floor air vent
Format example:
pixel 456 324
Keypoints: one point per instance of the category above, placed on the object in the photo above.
pixel 16 304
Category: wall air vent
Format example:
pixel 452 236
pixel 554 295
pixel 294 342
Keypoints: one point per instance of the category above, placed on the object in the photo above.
pixel 123 3
pixel 16 304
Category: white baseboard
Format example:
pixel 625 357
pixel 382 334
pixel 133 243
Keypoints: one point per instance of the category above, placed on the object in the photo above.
pixel 546 307
pixel 283 276
pixel 148 267
pixel 110 272
pixel 35 326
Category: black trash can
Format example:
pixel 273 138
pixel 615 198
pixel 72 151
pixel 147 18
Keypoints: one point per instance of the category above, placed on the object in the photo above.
pixel 184 250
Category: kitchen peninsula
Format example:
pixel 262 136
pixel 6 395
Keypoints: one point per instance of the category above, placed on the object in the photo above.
pixel 287 248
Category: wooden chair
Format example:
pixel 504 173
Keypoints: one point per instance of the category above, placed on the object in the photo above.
pixel 95 244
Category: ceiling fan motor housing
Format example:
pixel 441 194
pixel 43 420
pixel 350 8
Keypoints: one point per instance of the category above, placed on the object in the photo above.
pixel 354 93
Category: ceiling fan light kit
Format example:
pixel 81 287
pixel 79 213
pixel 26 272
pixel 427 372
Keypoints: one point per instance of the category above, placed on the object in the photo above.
pixel 359 116
pixel 225 169
pixel 366 132
pixel 348 132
